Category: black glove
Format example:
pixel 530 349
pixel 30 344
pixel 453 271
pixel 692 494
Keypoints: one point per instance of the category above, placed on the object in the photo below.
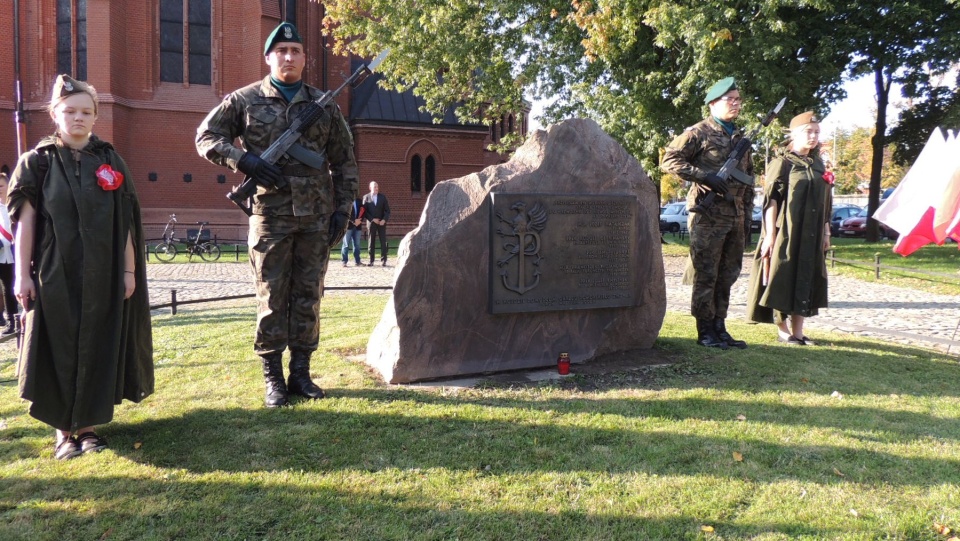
pixel 267 174
pixel 338 227
pixel 715 183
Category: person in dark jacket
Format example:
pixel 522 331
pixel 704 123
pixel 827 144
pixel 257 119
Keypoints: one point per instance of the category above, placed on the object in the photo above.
pixel 87 341
pixel 378 214
pixel 788 281
pixel 351 239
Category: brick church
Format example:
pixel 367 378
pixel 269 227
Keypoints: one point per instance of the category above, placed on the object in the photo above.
pixel 160 65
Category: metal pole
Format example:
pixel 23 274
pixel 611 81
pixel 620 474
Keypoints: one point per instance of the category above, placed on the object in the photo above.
pixel 18 83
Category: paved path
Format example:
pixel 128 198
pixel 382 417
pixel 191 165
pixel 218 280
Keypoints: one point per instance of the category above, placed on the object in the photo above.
pixel 866 309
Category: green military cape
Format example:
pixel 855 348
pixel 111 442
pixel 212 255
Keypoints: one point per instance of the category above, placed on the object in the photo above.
pixel 85 348
pixel 798 271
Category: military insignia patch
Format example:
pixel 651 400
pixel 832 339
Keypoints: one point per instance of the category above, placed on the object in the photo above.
pixel 68 86
pixel 287 32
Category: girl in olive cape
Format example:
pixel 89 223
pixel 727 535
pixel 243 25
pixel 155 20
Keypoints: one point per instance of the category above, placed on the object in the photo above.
pixel 789 275
pixel 87 341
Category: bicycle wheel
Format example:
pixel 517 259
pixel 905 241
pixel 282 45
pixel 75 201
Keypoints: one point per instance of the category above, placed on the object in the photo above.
pixel 210 252
pixel 165 251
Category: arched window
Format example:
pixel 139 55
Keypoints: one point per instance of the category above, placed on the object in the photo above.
pixel 510 124
pixel 493 131
pixel 188 49
pixel 415 173
pixel 503 127
pixel 431 173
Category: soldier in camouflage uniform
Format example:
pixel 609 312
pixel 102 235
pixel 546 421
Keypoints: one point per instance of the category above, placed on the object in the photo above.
pixel 289 228
pixel 717 235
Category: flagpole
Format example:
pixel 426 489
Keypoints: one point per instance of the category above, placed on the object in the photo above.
pixel 19 116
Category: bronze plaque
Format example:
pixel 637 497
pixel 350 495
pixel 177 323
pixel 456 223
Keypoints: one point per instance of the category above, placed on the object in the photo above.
pixel 561 252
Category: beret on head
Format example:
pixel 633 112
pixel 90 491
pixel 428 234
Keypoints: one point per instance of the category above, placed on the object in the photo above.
pixel 66 86
pixel 720 88
pixel 283 32
pixel 803 119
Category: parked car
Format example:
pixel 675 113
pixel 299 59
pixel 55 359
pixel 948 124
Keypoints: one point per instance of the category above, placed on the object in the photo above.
pixel 839 214
pixel 857 227
pixel 673 219
pixel 756 220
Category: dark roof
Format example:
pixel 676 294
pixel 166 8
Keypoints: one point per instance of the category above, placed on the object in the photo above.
pixel 372 103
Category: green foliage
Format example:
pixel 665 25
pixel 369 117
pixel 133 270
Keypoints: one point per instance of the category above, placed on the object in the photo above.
pixel 940 109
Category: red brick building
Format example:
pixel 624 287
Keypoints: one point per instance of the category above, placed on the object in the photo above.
pixel 161 65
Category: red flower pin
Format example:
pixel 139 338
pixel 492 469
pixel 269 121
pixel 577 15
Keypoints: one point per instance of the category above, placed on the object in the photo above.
pixel 828 176
pixel 108 178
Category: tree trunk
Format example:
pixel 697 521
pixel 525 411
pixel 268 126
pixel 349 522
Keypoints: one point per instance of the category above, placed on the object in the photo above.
pixel 882 86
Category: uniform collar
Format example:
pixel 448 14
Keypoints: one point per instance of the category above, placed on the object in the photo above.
pixel 268 90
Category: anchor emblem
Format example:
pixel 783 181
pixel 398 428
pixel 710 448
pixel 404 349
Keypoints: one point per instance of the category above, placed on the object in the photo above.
pixel 526 228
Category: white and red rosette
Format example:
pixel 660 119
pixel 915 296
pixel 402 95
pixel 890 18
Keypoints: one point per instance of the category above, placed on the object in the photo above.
pixel 108 178
pixel 828 177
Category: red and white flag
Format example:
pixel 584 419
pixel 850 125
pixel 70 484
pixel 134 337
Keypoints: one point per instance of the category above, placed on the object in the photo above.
pixel 925 207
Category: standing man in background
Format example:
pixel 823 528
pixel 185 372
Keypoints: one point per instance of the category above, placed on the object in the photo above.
pixel 716 233
pixel 295 198
pixel 378 213
pixel 351 239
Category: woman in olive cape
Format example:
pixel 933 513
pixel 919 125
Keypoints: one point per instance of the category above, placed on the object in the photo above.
pixel 87 341
pixel 789 275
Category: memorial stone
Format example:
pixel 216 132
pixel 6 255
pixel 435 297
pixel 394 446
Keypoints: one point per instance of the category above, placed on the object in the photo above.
pixel 557 250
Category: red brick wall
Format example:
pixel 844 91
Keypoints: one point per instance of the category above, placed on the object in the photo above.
pixel 153 124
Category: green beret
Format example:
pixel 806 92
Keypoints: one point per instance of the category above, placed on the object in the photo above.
pixel 283 32
pixel 720 88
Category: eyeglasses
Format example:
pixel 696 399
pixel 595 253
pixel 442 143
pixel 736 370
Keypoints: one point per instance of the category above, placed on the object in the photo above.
pixel 730 99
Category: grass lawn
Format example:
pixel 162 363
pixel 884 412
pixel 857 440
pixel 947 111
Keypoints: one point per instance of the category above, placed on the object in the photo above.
pixel 943 260
pixel 848 440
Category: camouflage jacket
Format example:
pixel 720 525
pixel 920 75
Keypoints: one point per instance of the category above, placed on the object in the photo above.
pixel 257 114
pixel 702 149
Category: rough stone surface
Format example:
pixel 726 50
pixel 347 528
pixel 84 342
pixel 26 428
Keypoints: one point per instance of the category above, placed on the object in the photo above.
pixel 436 323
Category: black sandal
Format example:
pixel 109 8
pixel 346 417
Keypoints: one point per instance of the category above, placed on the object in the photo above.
pixel 90 442
pixel 67 449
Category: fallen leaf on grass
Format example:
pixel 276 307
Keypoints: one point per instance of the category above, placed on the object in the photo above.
pixel 106 534
pixel 837 395
pixel 707 529
pixel 737 456
pixel 838 472
pixel 741 417
pixel 954 538
pixel 941 529
pixel 137 445
pixel 854 513
pixel 804 380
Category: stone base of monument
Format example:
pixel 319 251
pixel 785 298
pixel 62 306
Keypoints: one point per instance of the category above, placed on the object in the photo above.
pixel 555 251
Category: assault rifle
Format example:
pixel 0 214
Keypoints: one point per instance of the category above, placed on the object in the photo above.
pixel 286 145
pixel 729 168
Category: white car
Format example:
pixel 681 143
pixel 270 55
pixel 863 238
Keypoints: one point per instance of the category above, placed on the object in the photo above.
pixel 673 219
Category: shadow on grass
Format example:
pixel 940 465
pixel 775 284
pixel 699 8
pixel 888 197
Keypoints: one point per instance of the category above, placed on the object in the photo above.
pixel 250 509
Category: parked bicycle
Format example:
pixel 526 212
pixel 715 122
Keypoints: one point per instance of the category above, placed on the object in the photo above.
pixel 166 250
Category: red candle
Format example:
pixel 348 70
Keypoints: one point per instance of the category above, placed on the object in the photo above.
pixel 563 364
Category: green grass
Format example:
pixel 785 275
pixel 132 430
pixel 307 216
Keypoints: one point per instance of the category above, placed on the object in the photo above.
pixel 640 452
pixel 944 260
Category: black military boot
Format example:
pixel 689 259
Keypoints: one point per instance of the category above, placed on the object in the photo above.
pixel 706 336
pixel 720 327
pixel 299 381
pixel 276 394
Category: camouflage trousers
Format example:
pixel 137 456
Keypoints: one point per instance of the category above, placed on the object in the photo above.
pixel 289 255
pixel 716 256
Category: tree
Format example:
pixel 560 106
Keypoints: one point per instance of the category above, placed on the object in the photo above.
pixel 900 41
pixel 940 109
pixel 638 67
